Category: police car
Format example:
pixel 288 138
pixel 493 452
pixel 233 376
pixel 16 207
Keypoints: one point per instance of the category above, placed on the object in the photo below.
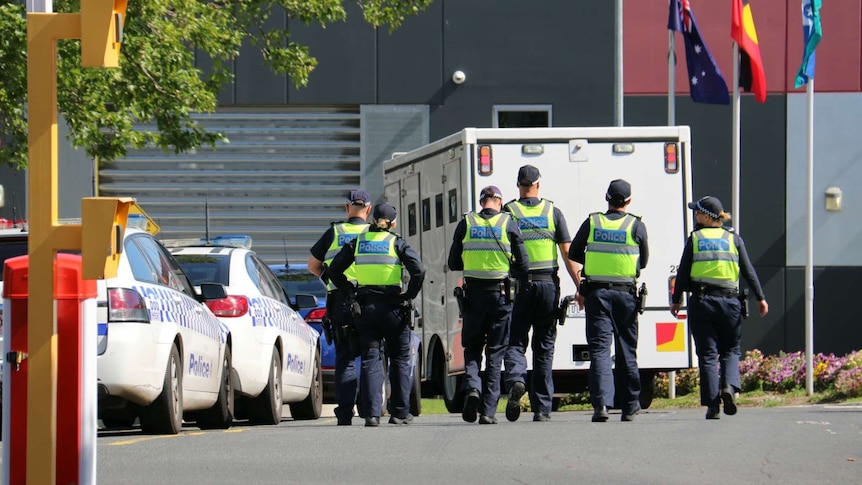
pixel 162 354
pixel 276 353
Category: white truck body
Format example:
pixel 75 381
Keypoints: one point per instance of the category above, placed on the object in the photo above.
pixel 434 185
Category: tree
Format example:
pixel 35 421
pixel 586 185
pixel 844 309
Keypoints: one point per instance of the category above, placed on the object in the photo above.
pixel 157 83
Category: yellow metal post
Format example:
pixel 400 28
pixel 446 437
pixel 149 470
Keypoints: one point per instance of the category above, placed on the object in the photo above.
pixel 105 21
pixel 43 30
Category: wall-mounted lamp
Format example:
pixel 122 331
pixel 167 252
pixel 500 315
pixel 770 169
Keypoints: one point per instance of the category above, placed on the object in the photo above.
pixel 833 199
pixel 458 77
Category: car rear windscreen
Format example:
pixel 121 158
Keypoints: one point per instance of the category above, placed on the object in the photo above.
pixel 205 268
pixel 296 282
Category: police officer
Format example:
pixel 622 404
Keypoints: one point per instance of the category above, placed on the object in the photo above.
pixel 543 229
pixel 710 268
pixel 487 247
pixel 337 309
pixel 379 256
pixel 612 246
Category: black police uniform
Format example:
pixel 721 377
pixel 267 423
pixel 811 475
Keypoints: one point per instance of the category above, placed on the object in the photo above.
pixel 383 319
pixel 611 316
pixel 487 315
pixel 338 312
pixel 715 318
pixel 535 306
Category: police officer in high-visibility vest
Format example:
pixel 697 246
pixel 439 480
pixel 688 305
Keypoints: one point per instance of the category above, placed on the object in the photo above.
pixel 712 262
pixel 379 256
pixel 340 321
pixel 487 247
pixel 612 246
pixel 543 229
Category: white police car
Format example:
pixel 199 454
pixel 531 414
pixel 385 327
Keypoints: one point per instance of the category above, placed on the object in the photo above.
pixel 276 353
pixel 162 354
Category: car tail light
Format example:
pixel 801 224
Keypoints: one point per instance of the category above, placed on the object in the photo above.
pixel 671 161
pixel 316 315
pixel 232 306
pixel 486 162
pixel 126 305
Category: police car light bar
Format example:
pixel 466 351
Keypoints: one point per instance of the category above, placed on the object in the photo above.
pixel 232 241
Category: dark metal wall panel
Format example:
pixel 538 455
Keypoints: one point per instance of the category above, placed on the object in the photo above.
pixel 410 60
pixel 538 52
pixel 255 83
pixel 646 43
pixel 836 321
pixel 769 334
pixel 347 64
pixel 226 95
pixel 839 54
pixel 14 184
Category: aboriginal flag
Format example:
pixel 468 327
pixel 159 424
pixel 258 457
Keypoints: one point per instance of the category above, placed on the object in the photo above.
pixel 752 77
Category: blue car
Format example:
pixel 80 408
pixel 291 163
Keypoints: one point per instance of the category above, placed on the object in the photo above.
pixel 296 279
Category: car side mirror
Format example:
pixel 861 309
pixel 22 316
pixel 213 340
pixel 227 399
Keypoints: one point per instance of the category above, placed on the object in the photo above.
pixel 306 301
pixel 212 291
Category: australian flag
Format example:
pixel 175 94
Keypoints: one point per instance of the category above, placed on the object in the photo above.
pixel 704 77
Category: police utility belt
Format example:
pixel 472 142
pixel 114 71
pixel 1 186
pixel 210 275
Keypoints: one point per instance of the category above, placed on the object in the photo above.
pixel 587 286
pixel 378 293
pixel 531 277
pixel 708 290
pixel 479 284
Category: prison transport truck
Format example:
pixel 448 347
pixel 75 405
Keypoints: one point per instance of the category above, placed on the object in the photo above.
pixel 435 185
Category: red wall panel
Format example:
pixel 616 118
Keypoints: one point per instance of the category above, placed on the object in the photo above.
pixel 839 55
pixel 779 34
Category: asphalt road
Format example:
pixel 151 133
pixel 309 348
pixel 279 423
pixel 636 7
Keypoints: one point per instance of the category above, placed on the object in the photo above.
pixel 788 445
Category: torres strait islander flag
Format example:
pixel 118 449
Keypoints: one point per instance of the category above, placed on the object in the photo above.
pixel 752 77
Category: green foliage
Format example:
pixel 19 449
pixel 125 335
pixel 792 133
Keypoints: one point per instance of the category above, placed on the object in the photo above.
pixel 158 84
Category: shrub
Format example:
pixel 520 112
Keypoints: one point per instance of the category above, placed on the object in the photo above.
pixel 687 381
pixel 826 368
pixel 849 382
pixel 783 372
pixel 750 371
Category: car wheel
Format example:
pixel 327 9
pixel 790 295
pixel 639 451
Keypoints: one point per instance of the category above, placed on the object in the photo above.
pixel 165 414
pixel 311 406
pixel 220 416
pixel 416 394
pixel 266 407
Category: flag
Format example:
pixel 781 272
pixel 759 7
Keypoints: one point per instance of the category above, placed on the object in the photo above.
pixel 812 32
pixel 752 78
pixel 707 85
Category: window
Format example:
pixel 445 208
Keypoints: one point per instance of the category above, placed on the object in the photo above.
pixel 411 219
pixel 438 210
pixel 522 116
pixel 426 215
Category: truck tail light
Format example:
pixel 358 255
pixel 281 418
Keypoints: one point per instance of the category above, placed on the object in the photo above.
pixel 126 305
pixel 230 307
pixel 486 161
pixel 671 158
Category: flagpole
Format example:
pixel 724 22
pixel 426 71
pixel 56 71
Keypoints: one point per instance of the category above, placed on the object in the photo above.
pixel 809 266
pixel 671 81
pixel 671 121
pixel 735 139
pixel 618 60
